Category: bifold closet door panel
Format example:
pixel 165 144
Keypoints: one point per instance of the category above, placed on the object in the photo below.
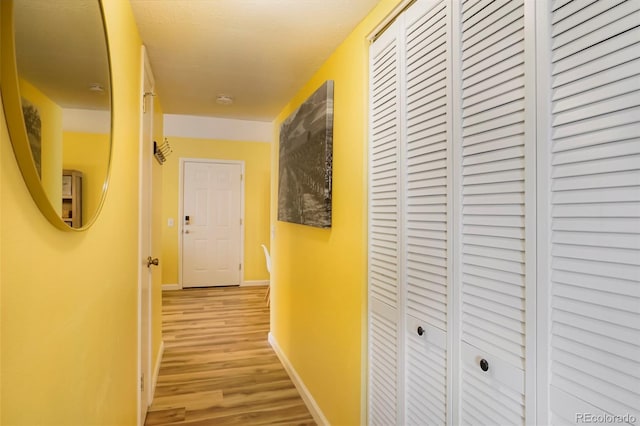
pixel 492 210
pixel 425 162
pixel 594 158
pixel 384 290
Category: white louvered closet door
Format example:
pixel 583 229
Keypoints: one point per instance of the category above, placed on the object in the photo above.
pixel 385 338
pixel 426 214
pixel 491 149
pixel 595 210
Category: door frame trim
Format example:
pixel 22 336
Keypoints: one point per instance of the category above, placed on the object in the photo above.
pixel 182 161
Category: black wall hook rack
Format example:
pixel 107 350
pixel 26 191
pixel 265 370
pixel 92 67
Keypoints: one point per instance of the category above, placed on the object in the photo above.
pixel 161 151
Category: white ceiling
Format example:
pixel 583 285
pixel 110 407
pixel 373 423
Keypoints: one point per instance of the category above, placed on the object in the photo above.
pixel 61 50
pixel 259 52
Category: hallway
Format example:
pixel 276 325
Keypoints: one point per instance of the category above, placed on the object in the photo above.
pixel 218 367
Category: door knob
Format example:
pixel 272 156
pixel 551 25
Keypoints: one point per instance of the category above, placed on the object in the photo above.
pixel 152 261
pixel 420 331
pixel 484 364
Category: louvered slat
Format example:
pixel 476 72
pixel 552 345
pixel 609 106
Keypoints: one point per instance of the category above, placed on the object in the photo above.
pixel 384 294
pixel 595 215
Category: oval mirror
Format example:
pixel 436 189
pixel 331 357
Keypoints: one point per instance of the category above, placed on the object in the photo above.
pixel 56 91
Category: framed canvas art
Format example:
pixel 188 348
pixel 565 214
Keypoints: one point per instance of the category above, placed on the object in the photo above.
pixel 33 124
pixel 306 158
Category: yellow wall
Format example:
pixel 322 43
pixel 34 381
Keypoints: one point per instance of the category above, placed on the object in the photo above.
pixel 89 154
pixel 69 300
pixel 257 170
pixel 318 310
pixel 51 157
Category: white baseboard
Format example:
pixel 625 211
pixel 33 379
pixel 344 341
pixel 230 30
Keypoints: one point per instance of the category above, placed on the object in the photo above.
pixel 311 403
pixel 169 287
pixel 156 371
pixel 254 283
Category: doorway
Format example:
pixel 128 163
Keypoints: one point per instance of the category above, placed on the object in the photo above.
pixel 212 222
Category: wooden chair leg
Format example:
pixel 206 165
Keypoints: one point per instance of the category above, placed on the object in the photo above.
pixel 267 295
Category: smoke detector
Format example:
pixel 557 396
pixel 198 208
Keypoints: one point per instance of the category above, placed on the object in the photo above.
pixel 224 100
pixel 96 87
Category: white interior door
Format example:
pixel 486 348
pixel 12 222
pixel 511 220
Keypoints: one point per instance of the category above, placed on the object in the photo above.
pixel 493 221
pixel 212 224
pixel 385 336
pixel 145 242
pixel 426 208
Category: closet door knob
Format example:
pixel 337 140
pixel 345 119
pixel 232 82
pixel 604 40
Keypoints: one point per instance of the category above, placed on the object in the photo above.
pixel 484 364
pixel 420 331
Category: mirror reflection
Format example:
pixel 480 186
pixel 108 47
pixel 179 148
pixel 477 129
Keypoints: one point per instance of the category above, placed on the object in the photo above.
pixel 64 83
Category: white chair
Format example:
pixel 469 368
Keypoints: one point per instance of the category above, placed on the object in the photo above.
pixel 267 259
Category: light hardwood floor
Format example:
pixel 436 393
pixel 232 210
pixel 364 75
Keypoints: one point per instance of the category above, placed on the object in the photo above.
pixel 218 368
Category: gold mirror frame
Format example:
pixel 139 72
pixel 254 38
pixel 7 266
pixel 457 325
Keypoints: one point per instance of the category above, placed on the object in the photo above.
pixel 11 99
